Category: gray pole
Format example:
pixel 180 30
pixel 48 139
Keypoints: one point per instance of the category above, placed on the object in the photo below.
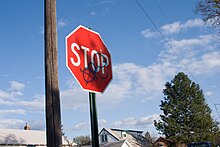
pixel 53 116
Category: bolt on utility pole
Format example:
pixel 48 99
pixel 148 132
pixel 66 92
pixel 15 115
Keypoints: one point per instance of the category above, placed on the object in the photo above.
pixel 53 116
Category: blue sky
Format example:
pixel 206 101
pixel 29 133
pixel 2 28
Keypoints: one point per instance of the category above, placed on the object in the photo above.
pixel 142 61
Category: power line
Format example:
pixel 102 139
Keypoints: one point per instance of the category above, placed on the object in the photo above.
pixel 164 38
pixel 161 11
pixel 216 109
pixel 166 18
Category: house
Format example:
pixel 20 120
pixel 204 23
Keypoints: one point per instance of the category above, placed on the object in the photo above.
pixel 122 143
pixel 24 138
pixel 132 137
pixel 162 141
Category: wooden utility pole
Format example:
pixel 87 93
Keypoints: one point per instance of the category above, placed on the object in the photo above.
pixel 53 116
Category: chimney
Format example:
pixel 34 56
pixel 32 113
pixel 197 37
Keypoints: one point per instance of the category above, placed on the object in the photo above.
pixel 26 127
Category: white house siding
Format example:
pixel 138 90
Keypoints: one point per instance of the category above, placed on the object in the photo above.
pixel 23 138
pixel 21 146
pixel 111 138
pixel 132 138
pixel 126 144
pixel 108 138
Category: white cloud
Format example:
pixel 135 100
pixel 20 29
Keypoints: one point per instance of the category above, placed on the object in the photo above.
pixel 92 13
pixel 102 122
pixel 199 54
pixel 74 98
pixel 80 126
pixel 147 33
pixel 203 41
pixel 83 125
pixel 8 97
pixel 12 123
pixel 212 60
pixel 104 7
pixel 15 94
pixel 177 26
pixel 41 30
pixel 132 122
pixel 207 63
pixel 16 86
pixel 127 122
pixel 188 48
pixel 144 121
pixel 130 81
pixel 5 102
pixel 171 28
pixel 193 23
pixel 4 95
pixel 208 93
pixel 12 111
pixel 4 75
pixel 36 104
pixel 112 2
pixel 61 23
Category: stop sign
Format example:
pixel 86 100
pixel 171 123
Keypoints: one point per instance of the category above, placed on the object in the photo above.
pixel 88 59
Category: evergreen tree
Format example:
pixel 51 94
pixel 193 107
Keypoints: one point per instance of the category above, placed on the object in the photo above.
pixel 186 116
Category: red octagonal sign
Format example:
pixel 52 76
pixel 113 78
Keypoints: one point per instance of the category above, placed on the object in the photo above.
pixel 88 59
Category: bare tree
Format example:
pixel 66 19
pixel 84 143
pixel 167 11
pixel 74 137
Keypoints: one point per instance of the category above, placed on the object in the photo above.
pixel 82 140
pixel 210 10
pixel 70 143
pixel 151 139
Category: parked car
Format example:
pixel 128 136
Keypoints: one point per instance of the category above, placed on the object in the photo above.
pixel 200 144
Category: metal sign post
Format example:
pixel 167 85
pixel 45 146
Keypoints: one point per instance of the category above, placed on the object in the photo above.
pixel 93 119
pixel 89 60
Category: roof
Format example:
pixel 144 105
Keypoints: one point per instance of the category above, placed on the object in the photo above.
pixel 132 131
pixel 23 137
pixel 113 144
pixel 116 144
pixel 163 139
pixel 133 141
pixel 112 133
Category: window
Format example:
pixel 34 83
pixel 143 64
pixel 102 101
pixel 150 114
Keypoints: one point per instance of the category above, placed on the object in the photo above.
pixel 104 138
pixel 124 134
